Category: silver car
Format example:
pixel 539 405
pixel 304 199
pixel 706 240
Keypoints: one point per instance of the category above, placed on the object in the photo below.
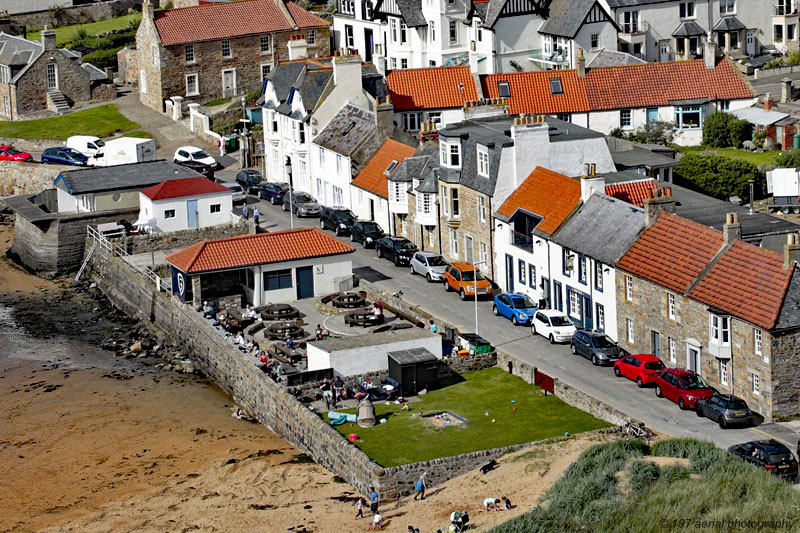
pixel 428 264
pixel 236 189
pixel 303 204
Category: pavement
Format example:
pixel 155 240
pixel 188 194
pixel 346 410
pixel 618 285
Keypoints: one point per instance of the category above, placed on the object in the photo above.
pixel 555 360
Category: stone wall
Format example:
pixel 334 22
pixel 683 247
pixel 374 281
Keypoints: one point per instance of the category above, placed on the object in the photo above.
pixel 31 88
pixel 127 65
pixel 31 145
pixel 75 15
pixel 136 244
pixel 27 178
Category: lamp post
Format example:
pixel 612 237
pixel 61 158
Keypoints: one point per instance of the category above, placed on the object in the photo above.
pixel 288 168
pixel 475 289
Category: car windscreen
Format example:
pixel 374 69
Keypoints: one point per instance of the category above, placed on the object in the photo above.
pixel 469 275
pixel 560 321
pixel 99 143
pixel 73 153
pixel 11 150
pixel 371 228
pixel 199 155
pixel 405 245
pixel 693 382
pixel 733 404
pixel 780 457
pixel 654 365
pixel 522 302
pixel 437 261
pixel 282 187
pixel 303 198
pixel 345 215
pixel 235 188
pixel 603 341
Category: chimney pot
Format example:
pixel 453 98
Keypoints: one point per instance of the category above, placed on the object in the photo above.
pixel 732 230
pixel 659 202
pixel 791 251
pixel 594 169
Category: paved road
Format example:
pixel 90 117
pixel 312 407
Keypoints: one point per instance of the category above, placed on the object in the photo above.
pixel 555 360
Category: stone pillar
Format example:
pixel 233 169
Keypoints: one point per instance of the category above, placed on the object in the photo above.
pixel 177 107
pixel 727 42
pixel 687 52
pixel 192 114
pixel 197 297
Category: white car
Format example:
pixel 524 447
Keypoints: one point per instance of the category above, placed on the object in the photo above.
pixel 193 153
pixel 553 325
pixel 429 264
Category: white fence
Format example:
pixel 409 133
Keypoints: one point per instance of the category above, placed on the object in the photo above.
pixel 108 248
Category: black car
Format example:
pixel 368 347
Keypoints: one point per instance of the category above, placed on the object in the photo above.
pixel 250 180
pixel 770 454
pixel 398 249
pixel 339 219
pixel 725 410
pixel 197 166
pixel 597 347
pixel 274 192
pixel 366 232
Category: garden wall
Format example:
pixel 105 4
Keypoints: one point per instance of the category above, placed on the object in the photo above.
pixel 27 178
pixel 64 16
pixel 32 145
pixel 776 71
pixel 180 239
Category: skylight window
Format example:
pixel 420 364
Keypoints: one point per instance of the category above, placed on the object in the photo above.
pixel 555 86
pixel 503 89
pixel 391 166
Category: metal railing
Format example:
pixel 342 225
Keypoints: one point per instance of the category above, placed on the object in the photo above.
pixel 554 58
pixel 782 11
pixel 520 240
pixel 108 248
pixel 633 28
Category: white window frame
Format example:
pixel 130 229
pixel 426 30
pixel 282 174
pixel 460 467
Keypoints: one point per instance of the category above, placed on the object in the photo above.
pixel 445 202
pixel 673 349
pixel 758 342
pixel 727 7
pixel 226 44
pixel 347 7
pixel 403 62
pixel 169 213
pixel 349 36
pixel 448 152
pixel 720 330
pixel 671 306
pixel 188 54
pixel 594 41
pixel 723 371
pixel 482 209
pixel 483 161
pixel 215 208
pixel 411 121
pixel 756 384
pixel 454 243
pixel 625 119
pixel 574 304
pixel 628 289
pixel 55 76
pixel 629 329
pixel 432 31
pixel 266 44
pixel 453 32
pixel 601 317
pixel 265 73
pixel 196 84
pixel 394 32
pixel 484 252
pixel 311 37
pixel 431 238
pixel 684 8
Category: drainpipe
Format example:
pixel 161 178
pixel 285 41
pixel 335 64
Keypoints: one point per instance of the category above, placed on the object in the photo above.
pixel 491 237
pixel 549 277
pixel 439 223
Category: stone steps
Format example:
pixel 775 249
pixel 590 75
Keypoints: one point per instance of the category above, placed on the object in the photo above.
pixel 57 102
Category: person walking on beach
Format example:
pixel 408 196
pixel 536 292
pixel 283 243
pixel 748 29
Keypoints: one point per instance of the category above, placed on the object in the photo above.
pixel 360 508
pixel 373 500
pixel 420 488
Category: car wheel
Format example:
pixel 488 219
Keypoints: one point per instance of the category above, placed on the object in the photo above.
pixel 617 372
pixel 658 391
pixel 337 232
pixel 533 329
pixel 699 412
pixel 639 382
pixel 396 260
pixel 463 295
pixel 429 278
pixel 495 311
pixel 681 404
pixel 722 423
pixel 514 320
pixel 321 224
pixel 594 360
pixel 411 269
pixel 380 252
pixel 284 207
pixel 273 201
pixel 552 339
pixel 446 286
pixel 573 349
pixel 352 238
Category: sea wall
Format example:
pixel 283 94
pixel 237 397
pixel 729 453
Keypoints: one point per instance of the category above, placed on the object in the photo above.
pixel 27 178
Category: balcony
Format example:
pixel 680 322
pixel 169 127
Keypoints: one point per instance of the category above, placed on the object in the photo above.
pixel 634 28
pixel 784 11
pixel 522 241
pixel 556 59
pixel 425 219
pixel 398 206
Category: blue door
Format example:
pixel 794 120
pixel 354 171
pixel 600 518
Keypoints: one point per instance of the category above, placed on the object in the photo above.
pixel 509 273
pixel 305 282
pixel 652 115
pixel 191 211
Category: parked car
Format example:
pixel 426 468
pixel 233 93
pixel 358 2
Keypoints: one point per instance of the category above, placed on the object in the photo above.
pixel 64 156
pixel 303 204
pixel 366 232
pixel 238 193
pixel 725 410
pixel 88 145
pixel 429 264
pixel 250 180
pixel 683 387
pixel 514 306
pixel 9 153
pixel 193 153
pixel 553 325
pixel 597 347
pixel 643 368
pixel 273 192
pixel 463 278
pixel 397 249
pixel 339 219
pixel 197 166
pixel 770 455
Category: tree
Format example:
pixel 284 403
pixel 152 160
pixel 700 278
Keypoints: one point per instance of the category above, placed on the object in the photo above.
pixel 718 176
pixel 739 131
pixel 655 132
pixel 716 130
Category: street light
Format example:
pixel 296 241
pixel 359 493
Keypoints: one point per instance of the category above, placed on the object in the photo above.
pixel 288 168
pixel 475 290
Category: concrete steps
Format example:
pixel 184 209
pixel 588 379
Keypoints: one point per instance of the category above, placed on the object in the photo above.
pixel 57 102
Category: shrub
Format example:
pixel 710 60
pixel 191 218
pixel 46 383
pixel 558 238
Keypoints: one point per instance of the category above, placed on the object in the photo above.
pixel 718 176
pixel 642 474
pixel 672 473
pixel 716 130
pixel 655 132
pixel 758 139
pixel 739 131
pixel 102 58
pixel 617 133
pixel 788 159
pixel 793 58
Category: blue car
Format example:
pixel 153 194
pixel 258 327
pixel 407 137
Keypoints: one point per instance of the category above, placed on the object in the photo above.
pixel 64 156
pixel 515 306
pixel 273 192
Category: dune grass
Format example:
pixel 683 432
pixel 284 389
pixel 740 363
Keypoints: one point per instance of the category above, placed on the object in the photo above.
pixel 406 437
pixel 100 121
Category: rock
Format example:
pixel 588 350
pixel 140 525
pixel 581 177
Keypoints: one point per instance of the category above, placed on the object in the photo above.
pixel 136 347
pixel 93 286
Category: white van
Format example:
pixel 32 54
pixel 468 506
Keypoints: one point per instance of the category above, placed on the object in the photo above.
pixel 125 150
pixel 86 144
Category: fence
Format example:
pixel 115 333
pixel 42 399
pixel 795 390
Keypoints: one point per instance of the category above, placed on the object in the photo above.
pixel 108 248
pixel 544 381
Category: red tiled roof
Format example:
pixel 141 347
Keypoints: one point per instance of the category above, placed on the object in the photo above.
pixel 531 93
pixel 621 87
pixel 431 88
pixel 183 187
pixel 633 192
pixel 371 177
pixel 748 282
pixel 258 249
pixel 233 19
pixel 547 194
pixel 672 252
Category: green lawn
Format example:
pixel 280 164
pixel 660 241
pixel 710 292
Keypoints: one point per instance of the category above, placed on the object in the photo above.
pixel 408 438
pixel 100 121
pixel 139 133
pixel 65 33
pixel 756 158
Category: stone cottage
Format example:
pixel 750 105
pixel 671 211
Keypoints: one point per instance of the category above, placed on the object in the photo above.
pixel 220 49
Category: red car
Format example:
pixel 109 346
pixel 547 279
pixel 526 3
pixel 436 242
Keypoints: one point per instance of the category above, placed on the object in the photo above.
pixel 683 387
pixel 9 153
pixel 641 368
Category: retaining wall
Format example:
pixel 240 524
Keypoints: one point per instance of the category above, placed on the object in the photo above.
pixel 64 16
pixel 180 239
pixel 27 178
pixel 32 145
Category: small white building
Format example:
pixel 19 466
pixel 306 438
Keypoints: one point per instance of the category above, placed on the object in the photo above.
pixel 350 356
pixel 187 203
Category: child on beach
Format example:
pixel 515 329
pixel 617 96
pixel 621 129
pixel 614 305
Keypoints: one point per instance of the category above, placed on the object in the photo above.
pixel 360 508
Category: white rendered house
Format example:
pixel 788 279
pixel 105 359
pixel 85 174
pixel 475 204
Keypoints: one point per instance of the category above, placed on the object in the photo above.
pixel 182 204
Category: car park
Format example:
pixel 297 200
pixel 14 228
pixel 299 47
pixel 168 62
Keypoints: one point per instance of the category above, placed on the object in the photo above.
pixel 725 410
pixel 464 278
pixel 643 368
pixel 193 153
pixel 238 193
pixel 553 325
pixel 428 264
pixel 302 204
pixel 397 249
pixel 64 156
pixel 597 347
pixel 366 232
pixel 197 166
pixel 274 192
pixel 9 153
pixel 683 387
pixel 768 454
pixel 338 219
pixel 515 306
pixel 250 180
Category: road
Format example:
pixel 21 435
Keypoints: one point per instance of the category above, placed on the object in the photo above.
pixel 556 360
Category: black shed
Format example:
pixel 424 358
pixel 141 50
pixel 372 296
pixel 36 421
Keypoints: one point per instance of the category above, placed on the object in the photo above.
pixel 414 370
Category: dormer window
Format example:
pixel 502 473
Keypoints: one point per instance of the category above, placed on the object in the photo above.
pixel 503 89
pixel 483 161
pixel 451 154
pixel 555 86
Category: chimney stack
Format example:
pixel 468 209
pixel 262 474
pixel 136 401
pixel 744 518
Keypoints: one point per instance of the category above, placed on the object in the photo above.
pixel 791 251
pixel 384 116
pixel 48 39
pixel 580 67
pixel 786 90
pixel 768 102
pixel 662 200
pixel 148 9
pixel 428 132
pixel 5 23
pixel 298 47
pixel 710 54
pixel 732 230
pixel 591 183
pixel 379 60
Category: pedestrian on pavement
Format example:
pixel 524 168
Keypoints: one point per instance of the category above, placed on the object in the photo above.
pixel 420 488
pixel 245 211
pixel 256 215
pixel 373 500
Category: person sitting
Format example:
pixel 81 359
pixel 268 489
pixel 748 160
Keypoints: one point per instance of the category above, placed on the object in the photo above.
pixel 377 522
pixel 318 333
pixel 377 312
pixel 239 340
pixel 246 312
pixel 339 392
pixel 263 357
pixel 490 504
pixel 208 311
pixel 506 504
pixel 253 315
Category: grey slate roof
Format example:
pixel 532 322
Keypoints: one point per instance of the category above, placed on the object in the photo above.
pixel 95 74
pixel 728 23
pixel 613 4
pixel 688 28
pixel 566 17
pixel 493 12
pixel 612 58
pixel 411 10
pixel 346 130
pixel 131 176
pixel 430 183
pixel 641 158
pixel 16 51
pixel 789 315
pixel 615 225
